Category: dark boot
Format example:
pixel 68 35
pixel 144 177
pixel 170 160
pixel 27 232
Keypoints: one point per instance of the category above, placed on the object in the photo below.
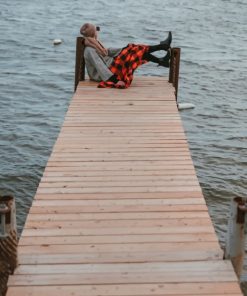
pixel 168 41
pixel 164 45
pixel 165 61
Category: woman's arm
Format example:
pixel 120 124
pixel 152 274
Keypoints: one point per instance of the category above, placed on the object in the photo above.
pixel 94 43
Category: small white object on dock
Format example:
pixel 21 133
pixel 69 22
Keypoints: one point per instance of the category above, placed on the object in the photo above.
pixel 184 106
pixel 57 41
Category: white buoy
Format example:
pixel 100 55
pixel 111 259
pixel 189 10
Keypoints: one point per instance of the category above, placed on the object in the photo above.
pixel 57 41
pixel 184 106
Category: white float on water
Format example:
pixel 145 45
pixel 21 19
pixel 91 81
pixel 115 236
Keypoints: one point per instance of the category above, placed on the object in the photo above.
pixel 184 106
pixel 57 41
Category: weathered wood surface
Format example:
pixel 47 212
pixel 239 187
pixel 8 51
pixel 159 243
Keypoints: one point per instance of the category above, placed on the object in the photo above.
pixel 119 210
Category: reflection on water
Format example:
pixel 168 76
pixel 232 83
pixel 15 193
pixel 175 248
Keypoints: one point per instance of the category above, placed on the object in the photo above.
pixel 36 81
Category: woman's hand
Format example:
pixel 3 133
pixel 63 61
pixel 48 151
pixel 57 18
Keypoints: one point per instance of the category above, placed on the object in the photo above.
pixel 103 52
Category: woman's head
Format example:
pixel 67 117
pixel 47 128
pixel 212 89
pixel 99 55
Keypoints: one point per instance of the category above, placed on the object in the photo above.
pixel 89 30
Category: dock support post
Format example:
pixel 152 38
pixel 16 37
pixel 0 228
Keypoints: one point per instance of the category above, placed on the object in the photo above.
pixel 79 61
pixel 235 240
pixel 174 69
pixel 8 240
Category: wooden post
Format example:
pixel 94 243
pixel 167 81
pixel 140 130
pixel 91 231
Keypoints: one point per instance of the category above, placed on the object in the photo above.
pixel 235 240
pixel 79 61
pixel 174 68
pixel 8 240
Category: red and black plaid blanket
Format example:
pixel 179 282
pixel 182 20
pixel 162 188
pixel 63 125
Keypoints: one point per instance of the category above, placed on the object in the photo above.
pixel 125 64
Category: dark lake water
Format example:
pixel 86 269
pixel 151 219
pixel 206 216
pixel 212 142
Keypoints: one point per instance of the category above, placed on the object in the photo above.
pixel 36 84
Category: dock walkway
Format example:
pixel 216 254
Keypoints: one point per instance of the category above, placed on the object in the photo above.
pixel 119 210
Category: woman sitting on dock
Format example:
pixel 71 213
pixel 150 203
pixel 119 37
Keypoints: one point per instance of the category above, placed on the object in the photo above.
pixel 114 67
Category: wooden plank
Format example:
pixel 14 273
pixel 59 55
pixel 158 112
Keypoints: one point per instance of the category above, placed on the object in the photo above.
pixel 95 154
pixel 117 239
pixel 190 179
pixel 108 158
pixel 152 248
pixel 113 103
pixel 115 209
pixel 172 146
pixel 173 267
pixel 98 156
pixel 174 289
pixel 134 164
pixel 130 109
pixel 112 224
pixel 119 253
pixel 119 231
pixel 117 175
pixel 120 223
pixel 138 119
pixel 116 132
pixel 82 130
pixel 115 216
pixel 117 189
pixel 118 124
pixel 122 140
pixel 114 183
pixel 119 166
pixel 165 143
pixel 120 202
pixel 164 272
pixel 164 195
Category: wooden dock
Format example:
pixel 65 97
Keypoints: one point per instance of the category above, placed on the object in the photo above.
pixel 119 210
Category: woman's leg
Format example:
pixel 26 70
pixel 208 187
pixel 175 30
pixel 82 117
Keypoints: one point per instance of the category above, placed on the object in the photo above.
pixel 160 61
pixel 153 48
pixel 95 65
pixel 150 58
pixel 164 45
